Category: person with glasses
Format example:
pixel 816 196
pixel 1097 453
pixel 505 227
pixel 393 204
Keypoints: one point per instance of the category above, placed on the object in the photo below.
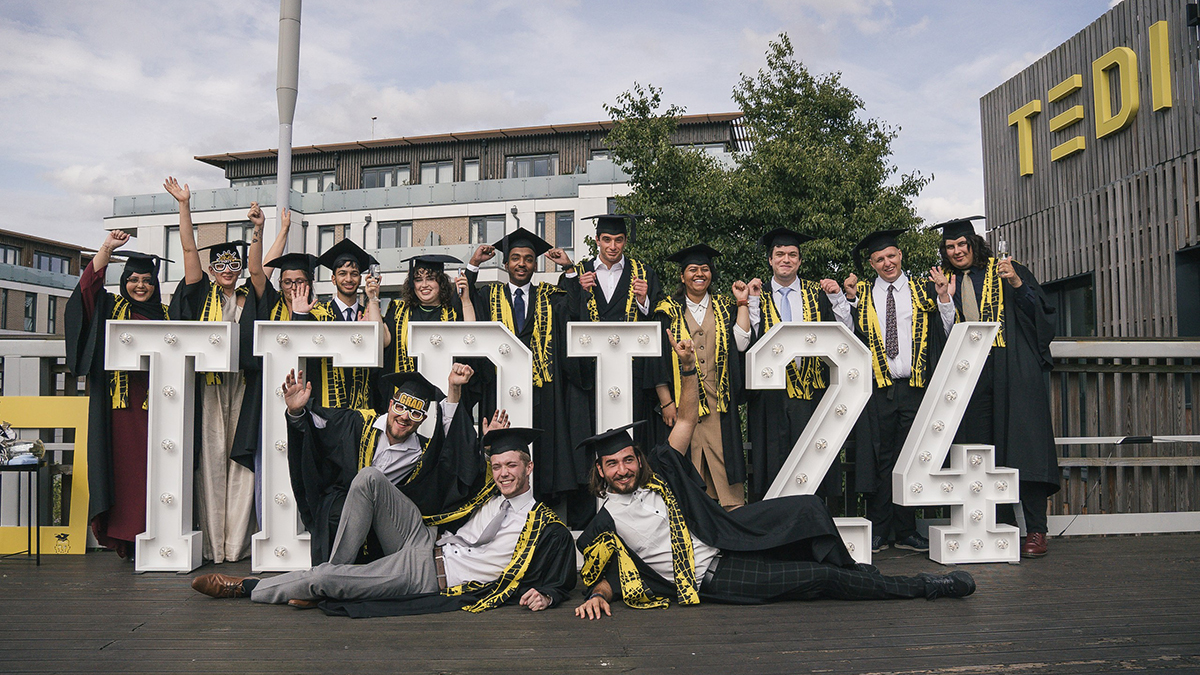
pixel 224 493
pixel 328 447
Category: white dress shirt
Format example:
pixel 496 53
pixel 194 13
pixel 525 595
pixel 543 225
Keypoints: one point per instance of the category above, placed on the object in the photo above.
pixel 526 294
pixel 396 460
pixel 342 307
pixel 901 366
pixel 642 523
pixel 485 561
pixel 607 279
pixel 841 306
pixel 699 310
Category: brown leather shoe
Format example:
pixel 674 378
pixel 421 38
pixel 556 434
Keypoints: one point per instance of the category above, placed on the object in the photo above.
pixel 220 585
pixel 1035 545
pixel 303 604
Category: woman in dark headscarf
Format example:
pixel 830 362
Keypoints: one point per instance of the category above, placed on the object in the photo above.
pixel 117 412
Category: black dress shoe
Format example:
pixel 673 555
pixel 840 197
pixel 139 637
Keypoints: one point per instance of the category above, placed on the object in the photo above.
pixel 957 584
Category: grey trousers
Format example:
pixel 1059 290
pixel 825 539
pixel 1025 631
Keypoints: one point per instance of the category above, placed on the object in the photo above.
pixel 407 567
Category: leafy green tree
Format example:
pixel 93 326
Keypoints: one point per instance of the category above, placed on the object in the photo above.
pixel 814 164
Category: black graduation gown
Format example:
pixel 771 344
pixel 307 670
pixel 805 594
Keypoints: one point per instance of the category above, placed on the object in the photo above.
pixel 323 462
pixel 793 528
pixel 187 304
pixel 551 571
pixel 248 435
pixel 1023 432
pixel 867 436
pixel 614 310
pixel 561 407
pixel 354 377
pixel 731 421
pixel 770 438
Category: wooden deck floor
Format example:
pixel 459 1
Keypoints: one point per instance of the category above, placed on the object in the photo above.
pixel 1094 605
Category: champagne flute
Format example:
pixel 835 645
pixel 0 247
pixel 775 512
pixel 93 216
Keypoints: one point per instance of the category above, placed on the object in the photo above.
pixel 1002 249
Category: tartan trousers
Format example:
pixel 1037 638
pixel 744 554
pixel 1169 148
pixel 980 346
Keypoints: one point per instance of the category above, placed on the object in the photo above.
pixel 743 577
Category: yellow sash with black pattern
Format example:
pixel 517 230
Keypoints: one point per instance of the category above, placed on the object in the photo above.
pixel 403 362
pixel 118 380
pixel 721 306
pixel 211 311
pixel 341 387
pixel 634 591
pixel 868 322
pixel 636 271
pixel 804 380
pixel 500 310
pixel 368 440
pixel 991 306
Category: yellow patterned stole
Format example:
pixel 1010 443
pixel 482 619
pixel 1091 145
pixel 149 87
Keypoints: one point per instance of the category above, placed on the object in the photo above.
pixel 211 311
pixel 868 323
pixel 634 591
pixel 368 440
pixel 404 363
pixel 804 380
pixel 991 308
pixel 118 380
pixel 636 271
pixel 500 309
pixel 722 307
pixel 499 591
pixel 341 387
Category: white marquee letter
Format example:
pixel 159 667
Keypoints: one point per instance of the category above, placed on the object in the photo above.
pixel 614 344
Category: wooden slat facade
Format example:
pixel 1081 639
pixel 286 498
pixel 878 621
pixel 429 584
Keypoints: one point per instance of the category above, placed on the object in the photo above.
pixel 1124 206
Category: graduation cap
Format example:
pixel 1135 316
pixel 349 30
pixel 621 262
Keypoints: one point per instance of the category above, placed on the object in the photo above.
pixel 412 390
pixel 615 223
pixel 226 251
pixel 305 262
pixel 431 261
pixel 347 251
pixel 142 263
pixel 782 236
pixel 700 254
pixel 522 238
pixel 499 441
pixel 609 442
pixel 877 241
pixel 959 227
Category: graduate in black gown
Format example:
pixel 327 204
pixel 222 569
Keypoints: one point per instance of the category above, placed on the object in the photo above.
pixel 1010 407
pixel 428 294
pixel 615 287
pixel 117 400
pixel 658 535
pixel 327 447
pixel 776 418
pixel 537 314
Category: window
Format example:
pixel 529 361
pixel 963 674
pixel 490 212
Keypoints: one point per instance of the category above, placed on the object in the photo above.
pixel 10 255
pixel 317 181
pixel 52 314
pixel 531 165
pixel 710 148
pixel 395 234
pixel 558 229
pixel 30 312
pixel 487 229
pixel 1075 299
pixel 52 263
pixel 173 270
pixel 471 169
pixel 3 310
pixel 437 172
pixel 326 238
pixel 386 176
pixel 249 182
pixel 601 154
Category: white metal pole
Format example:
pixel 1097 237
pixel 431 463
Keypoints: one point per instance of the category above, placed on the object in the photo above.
pixel 286 84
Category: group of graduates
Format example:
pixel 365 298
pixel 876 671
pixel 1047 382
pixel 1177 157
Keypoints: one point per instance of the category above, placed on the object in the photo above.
pixel 471 514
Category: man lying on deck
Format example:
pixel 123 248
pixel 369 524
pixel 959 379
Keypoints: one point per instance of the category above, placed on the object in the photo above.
pixel 508 546
pixel 658 534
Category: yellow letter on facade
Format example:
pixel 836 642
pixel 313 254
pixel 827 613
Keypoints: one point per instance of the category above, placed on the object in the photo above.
pixel 1021 119
pixel 1160 66
pixel 1124 60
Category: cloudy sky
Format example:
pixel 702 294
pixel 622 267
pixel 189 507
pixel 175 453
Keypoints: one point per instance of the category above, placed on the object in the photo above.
pixel 100 99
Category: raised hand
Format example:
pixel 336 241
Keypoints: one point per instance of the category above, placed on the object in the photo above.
pixel 1009 274
pixel 299 298
pixel 499 420
pixel 641 289
pixel 755 287
pixel 851 286
pixel 460 374
pixel 296 392
pixel 587 280
pixel 685 351
pixel 559 257
pixel 115 239
pixel 462 286
pixel 181 194
pixel 484 253
pixel 372 288
pixel 830 287
pixel 255 215
pixel 285 219
pixel 943 285
pixel 741 291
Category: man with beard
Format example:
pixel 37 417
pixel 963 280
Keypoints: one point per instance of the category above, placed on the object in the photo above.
pixel 536 314
pixel 328 447
pixel 1010 407
pixel 505 546
pixel 658 535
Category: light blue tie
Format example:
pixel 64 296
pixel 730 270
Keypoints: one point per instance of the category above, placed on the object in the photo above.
pixel 785 305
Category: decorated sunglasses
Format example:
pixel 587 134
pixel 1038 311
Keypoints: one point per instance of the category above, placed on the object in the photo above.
pixel 232 266
pixel 413 413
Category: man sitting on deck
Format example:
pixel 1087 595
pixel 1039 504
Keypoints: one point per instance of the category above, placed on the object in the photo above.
pixel 658 534
pixel 508 546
